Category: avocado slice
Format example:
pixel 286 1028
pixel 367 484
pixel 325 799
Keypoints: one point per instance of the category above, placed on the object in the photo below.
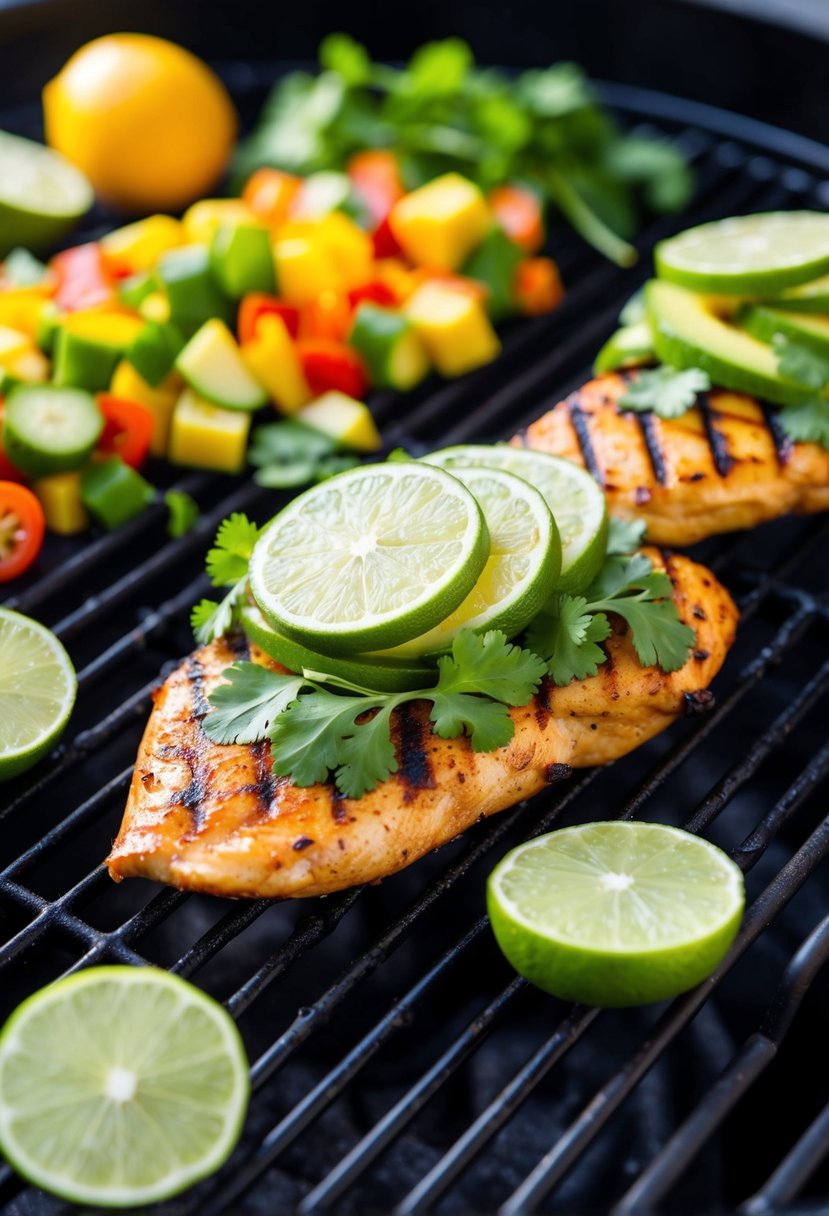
pixel 689 332
pixel 808 297
pixel 213 366
pixel 764 323
pixel 629 346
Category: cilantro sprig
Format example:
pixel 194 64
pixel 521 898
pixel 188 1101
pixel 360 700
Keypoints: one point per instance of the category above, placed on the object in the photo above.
pixel 664 391
pixel 809 422
pixel 568 631
pixel 320 725
pixel 288 454
pixel 227 566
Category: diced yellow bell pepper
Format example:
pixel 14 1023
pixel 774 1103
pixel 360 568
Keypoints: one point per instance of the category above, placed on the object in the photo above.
pixel 454 328
pixel 205 436
pixel 441 223
pixel 347 421
pixel 155 307
pixel 60 497
pixel 272 358
pixel 138 246
pixel 30 365
pixel 203 219
pixel 22 307
pixel 12 342
pixel 160 401
pixel 106 326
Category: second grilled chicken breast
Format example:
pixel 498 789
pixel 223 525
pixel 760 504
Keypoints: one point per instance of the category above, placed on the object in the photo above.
pixel 213 817
pixel 725 464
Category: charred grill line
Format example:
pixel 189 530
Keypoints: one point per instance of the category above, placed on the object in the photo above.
pixel 415 768
pixel 723 460
pixel 580 425
pixel 782 442
pixel 650 434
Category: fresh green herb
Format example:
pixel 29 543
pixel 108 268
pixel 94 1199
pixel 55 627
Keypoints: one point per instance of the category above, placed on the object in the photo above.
pixel 183 511
pixel 625 535
pixel 801 363
pixel 807 423
pixel 566 634
pixel 546 128
pixel 317 730
pixel 289 454
pixel 664 390
pixel 227 566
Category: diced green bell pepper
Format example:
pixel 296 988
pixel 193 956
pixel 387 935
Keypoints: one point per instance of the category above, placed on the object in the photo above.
pixel 114 493
pixel 83 362
pixel 191 288
pixel 153 352
pixel 388 345
pixel 241 258
pixel 134 290
pixel 47 327
pixel 494 264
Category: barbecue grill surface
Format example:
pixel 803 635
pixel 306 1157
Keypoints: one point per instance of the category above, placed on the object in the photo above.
pixel 398 1064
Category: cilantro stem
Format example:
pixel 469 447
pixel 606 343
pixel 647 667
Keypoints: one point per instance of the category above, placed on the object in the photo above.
pixel 586 222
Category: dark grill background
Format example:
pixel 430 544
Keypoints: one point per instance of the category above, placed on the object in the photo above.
pixel 397 1062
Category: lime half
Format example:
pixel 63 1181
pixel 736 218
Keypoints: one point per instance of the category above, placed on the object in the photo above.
pixel 523 566
pixel 120 1086
pixel 616 913
pixel 577 503
pixel 748 254
pixel 37 692
pixel 370 558
pixel 42 196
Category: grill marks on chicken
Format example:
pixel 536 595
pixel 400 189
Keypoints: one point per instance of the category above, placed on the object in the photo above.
pixel 215 818
pixel 725 464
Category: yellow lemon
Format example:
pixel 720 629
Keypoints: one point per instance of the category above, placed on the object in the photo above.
pixel 148 123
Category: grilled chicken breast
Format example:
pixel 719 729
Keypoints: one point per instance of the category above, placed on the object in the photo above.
pixel 725 464
pixel 214 818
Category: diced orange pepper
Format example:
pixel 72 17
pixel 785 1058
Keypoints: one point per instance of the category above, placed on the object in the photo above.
pixel 332 365
pixel 375 176
pixel 538 286
pixel 327 317
pixel 269 194
pixel 518 212
pixel 257 305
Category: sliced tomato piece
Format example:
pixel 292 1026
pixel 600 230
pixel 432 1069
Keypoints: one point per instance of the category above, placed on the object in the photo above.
pixel 128 429
pixel 255 306
pixel 22 526
pixel 331 365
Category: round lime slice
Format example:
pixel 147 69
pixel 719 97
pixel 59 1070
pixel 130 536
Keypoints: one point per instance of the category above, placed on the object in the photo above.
pixel 370 558
pixel 42 196
pixel 577 503
pixel 120 1086
pixel 616 913
pixel 368 670
pixel 523 566
pixel 37 692
pixel 748 254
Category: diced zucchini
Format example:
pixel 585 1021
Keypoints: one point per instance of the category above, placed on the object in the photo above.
pixel 213 366
pixel 347 421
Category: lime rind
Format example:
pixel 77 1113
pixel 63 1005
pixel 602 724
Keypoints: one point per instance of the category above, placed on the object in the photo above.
pixel 38 687
pixel 41 194
pixel 63 1002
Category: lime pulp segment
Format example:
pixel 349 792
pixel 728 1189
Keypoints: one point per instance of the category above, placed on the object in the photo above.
pixel 616 913
pixel 37 691
pixel 577 503
pixel 120 1086
pixel 370 558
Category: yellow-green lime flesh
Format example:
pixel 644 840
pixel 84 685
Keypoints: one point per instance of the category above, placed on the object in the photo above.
pixel 37 692
pixel 42 196
pixel 616 913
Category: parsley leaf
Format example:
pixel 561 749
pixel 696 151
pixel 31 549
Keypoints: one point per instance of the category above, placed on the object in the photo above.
pixel 807 423
pixel 800 362
pixel 243 709
pixel 625 535
pixel 665 391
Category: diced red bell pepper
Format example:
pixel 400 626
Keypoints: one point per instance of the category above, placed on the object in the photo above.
pixel 328 317
pixel 519 213
pixel 375 177
pixel 83 280
pixel 269 194
pixel 332 365
pixel 384 241
pixel 538 286
pixel 128 429
pixel 256 305
pixel 373 293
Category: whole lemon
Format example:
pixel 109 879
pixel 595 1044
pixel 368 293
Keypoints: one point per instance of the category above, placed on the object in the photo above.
pixel 150 125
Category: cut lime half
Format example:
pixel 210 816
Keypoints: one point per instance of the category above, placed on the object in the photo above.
pixel 120 1086
pixel 577 503
pixel 370 558
pixel 616 913
pixel 42 196
pixel 523 566
pixel 748 254
pixel 37 692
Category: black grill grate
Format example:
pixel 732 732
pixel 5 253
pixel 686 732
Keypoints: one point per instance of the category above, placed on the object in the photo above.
pixel 398 1065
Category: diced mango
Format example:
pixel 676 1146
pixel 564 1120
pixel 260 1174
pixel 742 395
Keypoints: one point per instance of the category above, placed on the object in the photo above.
pixel 441 223
pixel 347 421
pixel 206 436
pixel 303 269
pixel 155 307
pixel 329 253
pixel 60 497
pixel 12 342
pixel 454 328
pixel 30 365
pixel 107 326
pixel 160 401
pixel 138 246
pixel 203 219
pixel 272 358
pixel 22 307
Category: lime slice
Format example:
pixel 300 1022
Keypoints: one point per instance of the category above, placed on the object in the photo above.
pixel 42 196
pixel 747 254
pixel 523 566
pixel 615 913
pixel 367 670
pixel 577 503
pixel 370 558
pixel 808 297
pixel 37 692
pixel 120 1086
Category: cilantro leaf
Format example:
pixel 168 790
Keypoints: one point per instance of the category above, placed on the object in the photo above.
pixel 489 665
pixel 368 756
pixel 567 637
pixel 664 390
pixel 243 709
pixel 308 738
pixel 625 535
pixel 210 620
pixel 289 453
pixel 183 513
pixel 487 723
pixel 228 561
pixel 800 362
pixel 807 423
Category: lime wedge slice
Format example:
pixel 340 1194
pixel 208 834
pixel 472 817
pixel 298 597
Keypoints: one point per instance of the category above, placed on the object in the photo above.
pixel 747 254
pixel 120 1086
pixel 37 692
pixel 370 558
pixel 523 566
pixel 577 503
pixel 384 673
pixel 42 196
pixel 616 913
